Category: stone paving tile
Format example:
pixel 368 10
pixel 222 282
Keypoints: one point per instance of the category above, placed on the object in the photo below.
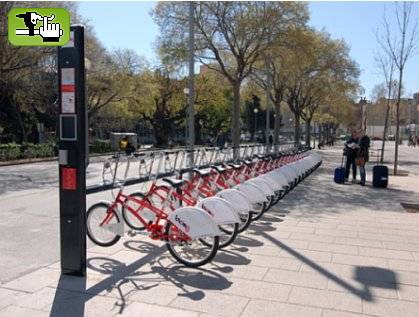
pixel 346 227
pixel 249 272
pixel 325 225
pixel 292 229
pixel 326 299
pixel 407 234
pixel 311 255
pixel 72 304
pixel 276 309
pixel 416 255
pixel 296 278
pixel 384 253
pixel 359 260
pixel 381 237
pixel 365 288
pixel 266 250
pixel 9 297
pixel 411 266
pixel 312 237
pixel 333 247
pixel 335 313
pixel 108 250
pixel 408 292
pixel 154 294
pixel 16 311
pixel 389 308
pixel 213 303
pixel 34 281
pixel 359 242
pixel 291 243
pixel 258 290
pixel 37 300
pixel 408 278
pixel 406 246
pixel 337 233
pixel 147 310
pixel 274 262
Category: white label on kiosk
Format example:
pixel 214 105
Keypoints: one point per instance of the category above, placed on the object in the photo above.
pixel 68 104
pixel 67 76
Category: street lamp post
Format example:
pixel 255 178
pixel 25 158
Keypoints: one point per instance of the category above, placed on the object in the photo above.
pixel 255 111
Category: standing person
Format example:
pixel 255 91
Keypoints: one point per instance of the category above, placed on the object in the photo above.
pixel 363 155
pixel 351 147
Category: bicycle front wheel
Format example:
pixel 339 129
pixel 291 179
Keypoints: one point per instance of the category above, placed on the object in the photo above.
pixel 130 219
pixel 100 217
pixel 191 253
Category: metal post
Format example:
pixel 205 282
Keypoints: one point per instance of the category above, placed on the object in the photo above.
pixel 191 84
pixel 72 153
pixel 268 106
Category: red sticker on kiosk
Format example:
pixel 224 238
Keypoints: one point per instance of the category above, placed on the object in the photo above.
pixel 69 178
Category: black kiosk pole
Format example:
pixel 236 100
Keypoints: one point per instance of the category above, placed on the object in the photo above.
pixel 72 153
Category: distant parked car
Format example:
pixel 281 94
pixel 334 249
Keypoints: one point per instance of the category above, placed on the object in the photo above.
pixel 391 137
pixel 376 138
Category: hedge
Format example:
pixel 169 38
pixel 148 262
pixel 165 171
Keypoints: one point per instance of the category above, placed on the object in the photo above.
pixel 14 151
pixel 101 146
pixel 9 151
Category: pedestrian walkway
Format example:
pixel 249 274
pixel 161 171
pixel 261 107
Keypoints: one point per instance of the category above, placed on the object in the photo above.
pixel 325 250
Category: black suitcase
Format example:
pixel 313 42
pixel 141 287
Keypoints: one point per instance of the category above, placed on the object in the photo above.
pixel 380 176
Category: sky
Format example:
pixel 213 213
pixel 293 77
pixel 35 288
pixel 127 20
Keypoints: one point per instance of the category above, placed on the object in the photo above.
pixel 129 25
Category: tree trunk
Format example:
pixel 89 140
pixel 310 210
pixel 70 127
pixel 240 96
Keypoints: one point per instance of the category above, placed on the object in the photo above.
pixel 18 112
pixel 277 122
pixel 235 131
pixel 308 133
pixel 385 129
pixel 297 130
pixel 396 149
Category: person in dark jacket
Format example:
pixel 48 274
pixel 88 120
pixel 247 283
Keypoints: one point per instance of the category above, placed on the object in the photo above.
pixel 363 153
pixel 351 148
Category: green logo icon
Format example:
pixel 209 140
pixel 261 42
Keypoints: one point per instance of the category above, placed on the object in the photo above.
pixel 38 26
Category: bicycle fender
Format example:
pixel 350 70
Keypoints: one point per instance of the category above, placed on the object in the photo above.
pixel 279 178
pixel 252 192
pixel 194 222
pixel 220 210
pixel 237 200
pixel 263 185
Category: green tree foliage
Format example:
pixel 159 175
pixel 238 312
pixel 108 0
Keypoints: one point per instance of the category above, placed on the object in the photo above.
pixel 230 36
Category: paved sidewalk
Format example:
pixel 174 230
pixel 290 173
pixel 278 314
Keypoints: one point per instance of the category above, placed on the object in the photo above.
pixel 325 250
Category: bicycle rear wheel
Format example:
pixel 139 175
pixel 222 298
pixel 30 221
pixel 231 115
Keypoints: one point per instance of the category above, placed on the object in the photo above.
pixel 258 210
pixel 190 253
pixel 97 216
pixel 230 234
pixel 245 221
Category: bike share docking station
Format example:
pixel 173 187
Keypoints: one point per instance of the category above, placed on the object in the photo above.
pixel 73 153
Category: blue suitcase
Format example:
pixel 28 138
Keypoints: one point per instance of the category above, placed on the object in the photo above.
pixel 340 174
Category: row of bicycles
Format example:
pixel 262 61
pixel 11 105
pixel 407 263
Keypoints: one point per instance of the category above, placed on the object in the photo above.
pixel 204 212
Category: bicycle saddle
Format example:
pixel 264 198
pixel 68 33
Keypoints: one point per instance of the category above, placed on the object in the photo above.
pixel 219 169
pixel 248 163
pixel 174 182
pixel 201 172
pixel 235 166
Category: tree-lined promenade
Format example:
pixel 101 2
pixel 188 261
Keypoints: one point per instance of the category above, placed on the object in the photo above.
pixel 254 57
